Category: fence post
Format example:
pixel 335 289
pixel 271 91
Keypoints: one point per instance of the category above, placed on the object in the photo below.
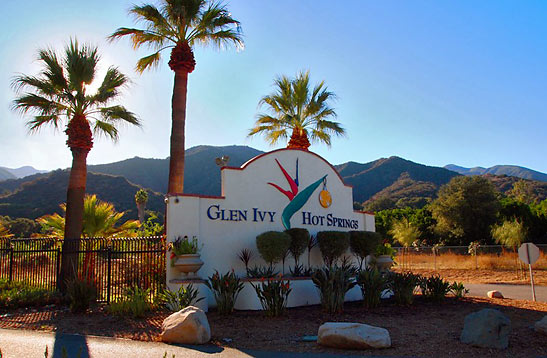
pixel 58 268
pixel 108 281
pixel 10 277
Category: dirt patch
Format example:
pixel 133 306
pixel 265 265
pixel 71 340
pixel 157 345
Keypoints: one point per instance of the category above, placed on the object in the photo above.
pixel 482 276
pixel 423 329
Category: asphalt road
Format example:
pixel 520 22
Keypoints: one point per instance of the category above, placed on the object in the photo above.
pixel 516 292
pixel 30 344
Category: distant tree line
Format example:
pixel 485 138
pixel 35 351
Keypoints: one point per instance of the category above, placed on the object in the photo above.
pixel 469 209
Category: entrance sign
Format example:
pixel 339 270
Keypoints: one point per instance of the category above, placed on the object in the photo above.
pixel 278 190
pixel 529 254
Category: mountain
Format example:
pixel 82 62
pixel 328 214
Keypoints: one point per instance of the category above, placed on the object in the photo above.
pixel 201 174
pixel 44 194
pixel 509 170
pixel 24 171
pixel 5 174
pixel 370 178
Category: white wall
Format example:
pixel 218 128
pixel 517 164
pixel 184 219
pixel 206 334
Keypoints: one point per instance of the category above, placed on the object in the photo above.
pixel 247 188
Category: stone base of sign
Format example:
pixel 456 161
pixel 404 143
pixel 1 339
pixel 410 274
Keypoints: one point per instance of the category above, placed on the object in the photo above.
pixel 199 284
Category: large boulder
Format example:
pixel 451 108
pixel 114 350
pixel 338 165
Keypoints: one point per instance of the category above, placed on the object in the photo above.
pixel 187 326
pixel 541 325
pixel 494 294
pixel 353 336
pixel 488 328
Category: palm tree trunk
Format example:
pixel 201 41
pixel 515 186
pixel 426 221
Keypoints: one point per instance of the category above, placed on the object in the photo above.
pixel 74 216
pixel 176 161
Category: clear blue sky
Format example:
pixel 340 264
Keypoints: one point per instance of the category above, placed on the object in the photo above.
pixel 461 82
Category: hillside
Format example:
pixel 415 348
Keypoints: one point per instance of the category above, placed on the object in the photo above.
pixel 370 178
pixel 202 175
pixel 5 174
pixel 509 170
pixel 505 183
pixel 44 194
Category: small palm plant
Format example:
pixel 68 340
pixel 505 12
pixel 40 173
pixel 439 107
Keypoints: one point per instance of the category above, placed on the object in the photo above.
pixel 4 231
pixel 296 108
pixel 405 233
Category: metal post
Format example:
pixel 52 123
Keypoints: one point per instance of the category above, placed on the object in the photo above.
pixel 532 280
pixel 58 268
pixel 109 257
pixel 10 263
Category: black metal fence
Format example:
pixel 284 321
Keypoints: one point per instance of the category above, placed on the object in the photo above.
pixel 114 264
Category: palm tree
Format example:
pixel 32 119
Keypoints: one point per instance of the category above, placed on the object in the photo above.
pixel 58 97
pixel 179 25
pixel 141 198
pixel 294 107
pixel 4 231
pixel 406 233
pixel 100 219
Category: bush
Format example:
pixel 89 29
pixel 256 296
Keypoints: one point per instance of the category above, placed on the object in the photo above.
pixel 273 246
pixel 17 294
pixel 434 287
pixel 363 243
pixel 332 244
pixel 81 294
pixel 301 271
pixel 458 289
pixel 333 283
pixel 261 272
pixel 403 286
pixel 182 298
pixel 299 242
pixel 185 246
pixel 372 285
pixel 135 303
pixel 273 296
pixel 225 288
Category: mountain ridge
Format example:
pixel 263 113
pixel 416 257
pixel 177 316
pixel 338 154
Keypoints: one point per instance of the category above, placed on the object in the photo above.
pixel 509 170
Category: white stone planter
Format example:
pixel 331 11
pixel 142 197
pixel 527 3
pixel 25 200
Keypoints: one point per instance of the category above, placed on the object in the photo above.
pixel 384 263
pixel 188 265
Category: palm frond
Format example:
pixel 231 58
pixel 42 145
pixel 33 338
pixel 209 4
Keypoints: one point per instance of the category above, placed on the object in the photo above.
pixel 107 129
pixel 119 114
pixel 81 63
pixel 148 62
pixel 113 81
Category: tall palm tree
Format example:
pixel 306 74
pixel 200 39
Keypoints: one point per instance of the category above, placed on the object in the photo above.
pixel 100 219
pixel 141 198
pixel 294 107
pixel 58 97
pixel 179 25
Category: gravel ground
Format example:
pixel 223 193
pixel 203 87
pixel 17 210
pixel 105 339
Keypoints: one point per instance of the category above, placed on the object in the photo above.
pixel 423 329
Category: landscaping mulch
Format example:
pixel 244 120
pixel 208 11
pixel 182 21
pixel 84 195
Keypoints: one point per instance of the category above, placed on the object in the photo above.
pixel 423 329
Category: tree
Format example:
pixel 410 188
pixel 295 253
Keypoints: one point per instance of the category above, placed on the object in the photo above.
pixel 465 209
pixel 141 198
pixel 510 234
pixel 523 191
pixel 100 219
pixel 405 233
pixel 179 25
pixel 293 107
pixel 4 231
pixel 58 97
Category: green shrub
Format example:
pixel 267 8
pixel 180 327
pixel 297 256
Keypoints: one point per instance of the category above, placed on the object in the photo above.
pixel 225 288
pixel 301 271
pixel 458 289
pixel 333 283
pixel 363 243
pixel 403 285
pixel 81 294
pixel 262 272
pixel 182 298
pixel 273 246
pixel 434 287
pixel 372 284
pixel 332 244
pixel 245 256
pixel 18 294
pixel 385 249
pixel 185 246
pixel 299 242
pixel 135 303
pixel 273 295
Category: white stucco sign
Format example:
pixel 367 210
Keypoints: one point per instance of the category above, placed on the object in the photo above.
pixel 278 190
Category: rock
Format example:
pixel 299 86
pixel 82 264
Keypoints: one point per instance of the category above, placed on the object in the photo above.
pixel 487 328
pixel 353 336
pixel 494 294
pixel 187 326
pixel 541 325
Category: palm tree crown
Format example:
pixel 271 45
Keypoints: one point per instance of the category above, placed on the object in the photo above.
pixel 58 96
pixel 180 24
pixel 293 106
